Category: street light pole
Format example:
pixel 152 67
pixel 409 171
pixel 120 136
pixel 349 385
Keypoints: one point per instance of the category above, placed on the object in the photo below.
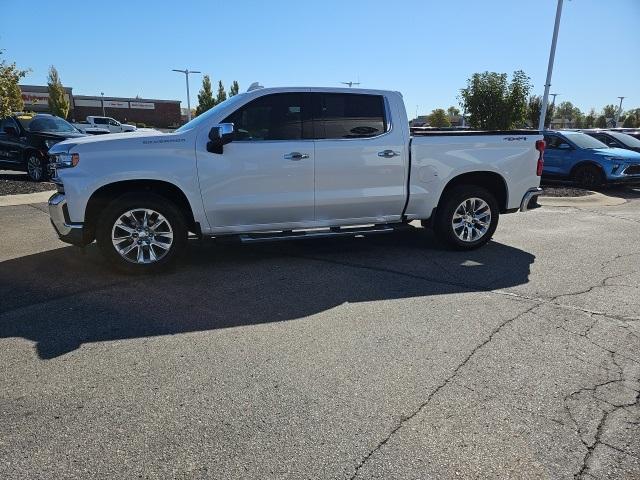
pixel 186 76
pixel 102 94
pixel 552 55
pixel 619 111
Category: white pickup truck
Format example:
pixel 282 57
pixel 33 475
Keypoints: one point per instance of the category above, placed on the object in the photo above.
pixel 288 163
pixel 97 125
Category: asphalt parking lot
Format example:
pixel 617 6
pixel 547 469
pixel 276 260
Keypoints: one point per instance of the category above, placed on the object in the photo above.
pixel 382 357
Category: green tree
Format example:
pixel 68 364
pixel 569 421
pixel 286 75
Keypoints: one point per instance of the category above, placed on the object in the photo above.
pixel 439 118
pixel 632 119
pixel 58 105
pixel 609 111
pixel 222 95
pixel 235 88
pixel 494 103
pixel 205 96
pixel 630 122
pixel 565 110
pixel 10 95
pixel 453 111
pixel 590 119
pixel 534 107
pixel 601 122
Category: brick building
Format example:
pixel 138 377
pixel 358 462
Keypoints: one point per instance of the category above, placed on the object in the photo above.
pixel 151 112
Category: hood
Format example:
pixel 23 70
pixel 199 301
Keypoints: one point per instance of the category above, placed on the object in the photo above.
pixel 106 139
pixel 58 135
pixel 629 155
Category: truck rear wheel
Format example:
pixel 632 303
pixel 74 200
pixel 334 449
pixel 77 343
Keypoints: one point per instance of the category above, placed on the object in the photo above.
pixel 466 218
pixel 141 233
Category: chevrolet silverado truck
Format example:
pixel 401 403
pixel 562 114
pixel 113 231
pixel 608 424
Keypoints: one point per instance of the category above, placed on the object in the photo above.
pixel 288 163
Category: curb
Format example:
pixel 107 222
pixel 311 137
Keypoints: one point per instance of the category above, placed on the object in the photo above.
pixel 25 198
pixel 596 199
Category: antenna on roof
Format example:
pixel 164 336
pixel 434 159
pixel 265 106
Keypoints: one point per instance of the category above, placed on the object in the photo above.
pixel 351 84
pixel 254 86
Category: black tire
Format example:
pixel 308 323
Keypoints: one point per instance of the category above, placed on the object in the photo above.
pixel 37 168
pixel 138 202
pixel 450 206
pixel 588 177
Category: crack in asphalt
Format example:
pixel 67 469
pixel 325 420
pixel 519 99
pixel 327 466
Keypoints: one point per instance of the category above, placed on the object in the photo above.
pixel 610 215
pixel 598 436
pixel 538 302
pixel 603 283
pixel 424 404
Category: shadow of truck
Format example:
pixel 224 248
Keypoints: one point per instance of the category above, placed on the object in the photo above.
pixel 62 298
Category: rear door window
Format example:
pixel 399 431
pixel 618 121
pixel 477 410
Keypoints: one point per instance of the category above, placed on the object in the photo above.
pixel 345 115
pixel 100 121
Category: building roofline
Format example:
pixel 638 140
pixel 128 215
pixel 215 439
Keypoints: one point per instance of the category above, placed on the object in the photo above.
pixel 123 99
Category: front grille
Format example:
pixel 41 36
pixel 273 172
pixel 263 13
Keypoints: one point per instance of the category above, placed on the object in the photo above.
pixel 632 170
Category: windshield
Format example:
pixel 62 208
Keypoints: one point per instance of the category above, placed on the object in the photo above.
pixel 49 124
pixel 582 140
pixel 200 119
pixel 625 139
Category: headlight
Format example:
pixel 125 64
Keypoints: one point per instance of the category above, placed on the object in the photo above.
pixel 50 142
pixel 65 160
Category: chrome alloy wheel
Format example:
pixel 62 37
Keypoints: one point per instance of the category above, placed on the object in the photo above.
pixel 471 220
pixel 34 167
pixel 142 235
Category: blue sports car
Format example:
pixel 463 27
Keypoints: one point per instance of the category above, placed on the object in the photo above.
pixel 588 162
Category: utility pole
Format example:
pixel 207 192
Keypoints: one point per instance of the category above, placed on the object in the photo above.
pixel 186 76
pixel 619 111
pixel 552 55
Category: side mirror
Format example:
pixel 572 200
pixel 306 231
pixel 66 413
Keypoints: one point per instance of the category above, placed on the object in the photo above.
pixel 11 131
pixel 219 136
pixel 565 146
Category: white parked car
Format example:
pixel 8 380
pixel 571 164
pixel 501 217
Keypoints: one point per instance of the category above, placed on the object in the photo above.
pixel 288 163
pixel 97 125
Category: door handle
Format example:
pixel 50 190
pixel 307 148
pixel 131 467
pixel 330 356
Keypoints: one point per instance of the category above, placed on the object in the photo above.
pixel 295 156
pixel 387 153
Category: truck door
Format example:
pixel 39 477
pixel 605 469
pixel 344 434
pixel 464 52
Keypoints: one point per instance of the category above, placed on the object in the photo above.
pixel 264 178
pixel 102 122
pixel 360 159
pixel 115 126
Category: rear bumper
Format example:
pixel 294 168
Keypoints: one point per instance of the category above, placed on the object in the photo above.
pixel 68 232
pixel 529 199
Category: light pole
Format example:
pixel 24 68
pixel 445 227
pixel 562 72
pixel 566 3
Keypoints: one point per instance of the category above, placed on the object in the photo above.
pixel 102 95
pixel 553 108
pixel 619 111
pixel 186 76
pixel 552 55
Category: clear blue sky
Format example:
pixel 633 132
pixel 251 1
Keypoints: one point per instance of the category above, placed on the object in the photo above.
pixel 426 49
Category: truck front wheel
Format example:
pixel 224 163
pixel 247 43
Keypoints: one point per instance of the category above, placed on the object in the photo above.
pixel 140 233
pixel 466 218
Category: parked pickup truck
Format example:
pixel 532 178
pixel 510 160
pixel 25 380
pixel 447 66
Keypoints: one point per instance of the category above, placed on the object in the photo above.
pixel 288 163
pixel 99 125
